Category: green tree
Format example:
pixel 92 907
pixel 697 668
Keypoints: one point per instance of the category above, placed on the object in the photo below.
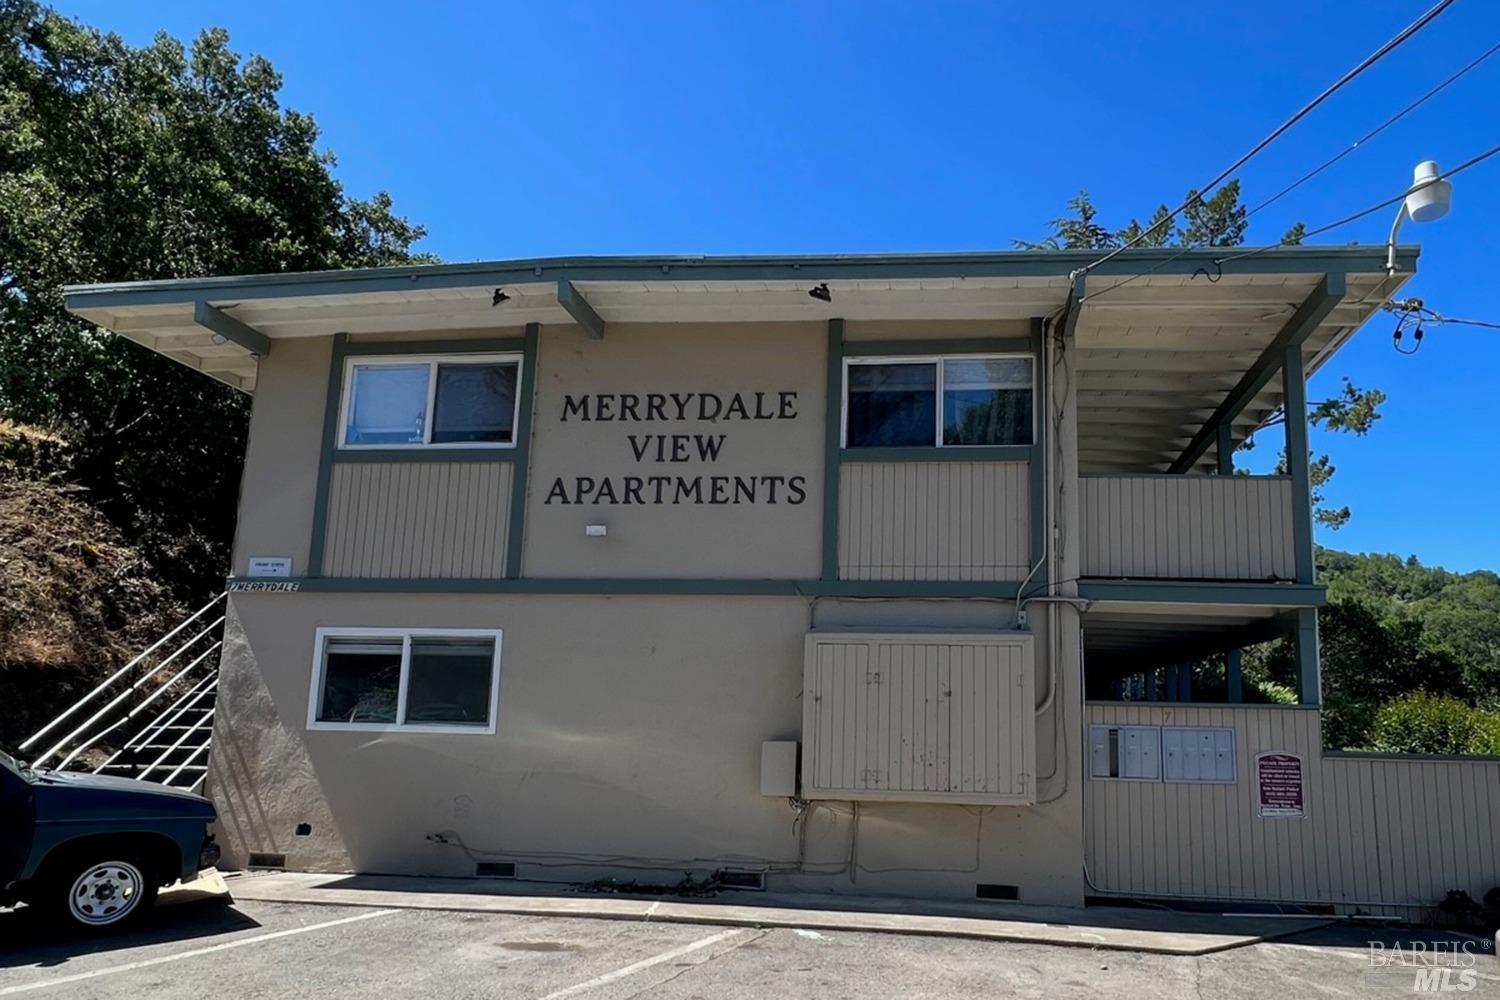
pixel 121 163
pixel 1217 221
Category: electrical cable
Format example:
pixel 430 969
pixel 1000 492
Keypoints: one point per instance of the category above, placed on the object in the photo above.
pixel 1393 119
pixel 1375 131
pixel 1431 317
pixel 1362 213
pixel 1370 60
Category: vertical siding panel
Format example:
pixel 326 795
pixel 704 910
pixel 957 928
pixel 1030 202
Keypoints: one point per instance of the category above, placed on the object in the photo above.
pixel 417 519
pixel 487 510
pixel 462 557
pixel 364 522
pixel 934 520
pixel 371 529
pixel 1186 527
pixel 424 530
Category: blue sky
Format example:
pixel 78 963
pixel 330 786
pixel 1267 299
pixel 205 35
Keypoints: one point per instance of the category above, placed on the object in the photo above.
pixel 517 130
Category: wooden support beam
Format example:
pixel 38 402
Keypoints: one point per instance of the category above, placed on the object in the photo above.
pixel 224 325
pixel 1328 293
pixel 572 300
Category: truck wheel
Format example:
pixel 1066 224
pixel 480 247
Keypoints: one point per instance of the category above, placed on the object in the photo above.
pixel 93 892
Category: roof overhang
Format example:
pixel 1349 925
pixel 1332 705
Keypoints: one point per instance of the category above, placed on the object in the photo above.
pixel 1165 337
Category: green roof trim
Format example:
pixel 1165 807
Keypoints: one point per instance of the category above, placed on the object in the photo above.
pixel 825 267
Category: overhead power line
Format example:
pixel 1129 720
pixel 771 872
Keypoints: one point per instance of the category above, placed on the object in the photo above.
pixel 1307 109
pixel 1414 105
pixel 1431 317
pixel 1356 144
pixel 1474 161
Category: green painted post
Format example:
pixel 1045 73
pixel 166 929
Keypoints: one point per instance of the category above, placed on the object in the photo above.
pixel 1234 663
pixel 1294 392
pixel 833 435
pixel 516 538
pixel 1310 687
pixel 331 405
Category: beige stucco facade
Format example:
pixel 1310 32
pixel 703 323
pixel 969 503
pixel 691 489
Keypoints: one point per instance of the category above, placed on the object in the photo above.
pixel 629 725
pixel 678 526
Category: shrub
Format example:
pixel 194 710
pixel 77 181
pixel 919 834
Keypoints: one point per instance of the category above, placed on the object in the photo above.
pixel 1424 723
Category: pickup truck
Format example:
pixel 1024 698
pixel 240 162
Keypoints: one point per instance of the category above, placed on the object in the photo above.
pixel 91 850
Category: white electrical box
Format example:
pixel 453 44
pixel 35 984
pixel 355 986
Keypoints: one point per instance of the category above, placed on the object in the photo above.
pixel 1197 753
pixel 919 717
pixel 778 768
pixel 1132 753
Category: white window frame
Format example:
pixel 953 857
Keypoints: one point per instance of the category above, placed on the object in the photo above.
pixel 431 361
pixel 406 635
pixel 938 360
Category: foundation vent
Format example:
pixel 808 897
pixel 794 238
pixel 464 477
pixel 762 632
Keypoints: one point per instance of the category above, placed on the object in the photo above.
pixel 265 860
pixel 495 869
pixel 743 880
pixel 994 890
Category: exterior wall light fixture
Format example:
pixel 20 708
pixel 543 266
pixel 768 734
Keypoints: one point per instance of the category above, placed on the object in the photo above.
pixel 1429 199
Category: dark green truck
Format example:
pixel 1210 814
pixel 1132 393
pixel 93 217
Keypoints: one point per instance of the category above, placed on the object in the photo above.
pixel 93 850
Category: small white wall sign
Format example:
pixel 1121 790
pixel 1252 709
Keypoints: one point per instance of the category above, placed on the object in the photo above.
pixel 270 566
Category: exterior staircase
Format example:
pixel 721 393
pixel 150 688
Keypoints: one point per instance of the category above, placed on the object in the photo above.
pixel 151 719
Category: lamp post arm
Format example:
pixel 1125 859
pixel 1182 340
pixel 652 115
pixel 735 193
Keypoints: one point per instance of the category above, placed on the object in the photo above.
pixel 1390 244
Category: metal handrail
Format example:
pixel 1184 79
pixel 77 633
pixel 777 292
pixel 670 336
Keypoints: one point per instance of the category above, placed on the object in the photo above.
pixel 161 689
pixel 207 716
pixel 117 699
pixel 107 682
pixel 158 725
pixel 202 748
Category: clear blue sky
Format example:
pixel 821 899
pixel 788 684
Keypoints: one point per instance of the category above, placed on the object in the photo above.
pixel 517 130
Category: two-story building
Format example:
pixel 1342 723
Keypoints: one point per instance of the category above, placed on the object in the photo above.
pixel 919 574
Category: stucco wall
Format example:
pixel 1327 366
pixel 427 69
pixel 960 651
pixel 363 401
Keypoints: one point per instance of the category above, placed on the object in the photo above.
pixel 629 728
pixel 279 484
pixel 717 531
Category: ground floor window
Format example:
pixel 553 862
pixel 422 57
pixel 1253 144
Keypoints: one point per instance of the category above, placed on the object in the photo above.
pixel 432 680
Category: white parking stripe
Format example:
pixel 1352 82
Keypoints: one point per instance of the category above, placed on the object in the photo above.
pixel 646 963
pixel 148 962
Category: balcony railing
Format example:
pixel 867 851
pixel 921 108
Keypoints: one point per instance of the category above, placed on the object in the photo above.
pixel 1187 527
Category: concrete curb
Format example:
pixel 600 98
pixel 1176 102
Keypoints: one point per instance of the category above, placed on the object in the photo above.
pixel 1150 932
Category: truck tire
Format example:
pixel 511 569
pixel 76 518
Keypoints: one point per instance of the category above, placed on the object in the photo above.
pixel 98 891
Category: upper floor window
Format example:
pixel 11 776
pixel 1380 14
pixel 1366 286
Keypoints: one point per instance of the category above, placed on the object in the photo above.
pixel 451 402
pixel 925 402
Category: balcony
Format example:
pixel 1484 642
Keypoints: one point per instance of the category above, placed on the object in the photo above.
pixel 1187 527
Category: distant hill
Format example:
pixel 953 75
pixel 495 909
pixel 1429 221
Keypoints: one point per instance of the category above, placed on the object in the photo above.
pixel 1393 627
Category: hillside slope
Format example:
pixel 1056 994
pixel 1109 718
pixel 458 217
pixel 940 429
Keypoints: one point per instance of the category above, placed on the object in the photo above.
pixel 76 601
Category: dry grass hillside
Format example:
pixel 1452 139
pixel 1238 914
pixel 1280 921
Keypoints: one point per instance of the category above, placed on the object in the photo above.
pixel 76 601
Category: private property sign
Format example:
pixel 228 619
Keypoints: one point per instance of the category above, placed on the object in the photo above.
pixel 1279 784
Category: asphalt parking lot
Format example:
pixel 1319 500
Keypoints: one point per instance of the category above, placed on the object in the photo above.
pixel 257 949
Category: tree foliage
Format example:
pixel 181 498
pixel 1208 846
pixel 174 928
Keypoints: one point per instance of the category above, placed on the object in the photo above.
pixel 1424 723
pixel 1393 627
pixel 1217 221
pixel 121 163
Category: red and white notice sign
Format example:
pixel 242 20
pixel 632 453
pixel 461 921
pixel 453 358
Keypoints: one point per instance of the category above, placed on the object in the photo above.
pixel 1279 784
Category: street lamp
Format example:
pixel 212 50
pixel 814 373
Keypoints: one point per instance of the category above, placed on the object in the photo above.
pixel 1428 200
